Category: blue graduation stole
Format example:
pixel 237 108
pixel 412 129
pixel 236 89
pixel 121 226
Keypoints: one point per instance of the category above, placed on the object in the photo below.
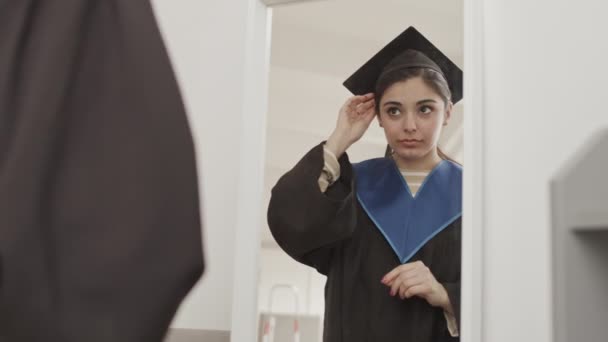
pixel 409 222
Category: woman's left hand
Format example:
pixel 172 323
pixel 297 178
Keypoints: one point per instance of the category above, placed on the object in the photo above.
pixel 415 279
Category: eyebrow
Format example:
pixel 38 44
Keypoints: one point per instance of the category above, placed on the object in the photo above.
pixel 397 103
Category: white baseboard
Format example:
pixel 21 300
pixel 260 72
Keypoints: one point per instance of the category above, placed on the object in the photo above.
pixel 192 335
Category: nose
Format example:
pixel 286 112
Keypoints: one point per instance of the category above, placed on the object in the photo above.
pixel 409 123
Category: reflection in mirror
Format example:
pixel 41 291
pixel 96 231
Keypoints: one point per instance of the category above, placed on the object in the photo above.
pixel 375 256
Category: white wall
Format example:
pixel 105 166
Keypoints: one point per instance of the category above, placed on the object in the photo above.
pixel 207 41
pixel 276 267
pixel 545 86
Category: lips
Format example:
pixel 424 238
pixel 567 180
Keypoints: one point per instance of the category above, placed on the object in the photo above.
pixel 409 142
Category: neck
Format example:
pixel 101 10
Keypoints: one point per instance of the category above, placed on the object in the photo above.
pixel 425 163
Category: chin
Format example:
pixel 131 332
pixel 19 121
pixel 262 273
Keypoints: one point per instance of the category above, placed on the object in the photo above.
pixel 409 154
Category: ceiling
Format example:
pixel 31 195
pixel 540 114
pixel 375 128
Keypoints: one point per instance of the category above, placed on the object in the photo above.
pixel 316 45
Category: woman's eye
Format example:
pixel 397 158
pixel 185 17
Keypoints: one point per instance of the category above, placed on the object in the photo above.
pixel 393 111
pixel 426 109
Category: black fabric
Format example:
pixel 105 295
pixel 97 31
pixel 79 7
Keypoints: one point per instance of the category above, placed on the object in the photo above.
pixel 332 233
pixel 409 49
pixel 100 235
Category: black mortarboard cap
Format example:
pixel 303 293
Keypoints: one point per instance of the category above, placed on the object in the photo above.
pixel 409 50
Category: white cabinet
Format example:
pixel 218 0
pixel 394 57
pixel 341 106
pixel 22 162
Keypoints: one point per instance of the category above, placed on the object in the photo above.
pixel 580 244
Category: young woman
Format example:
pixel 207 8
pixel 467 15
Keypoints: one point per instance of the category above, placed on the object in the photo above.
pixel 386 231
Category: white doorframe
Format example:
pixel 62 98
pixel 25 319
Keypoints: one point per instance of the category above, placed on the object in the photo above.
pixel 472 292
pixel 251 175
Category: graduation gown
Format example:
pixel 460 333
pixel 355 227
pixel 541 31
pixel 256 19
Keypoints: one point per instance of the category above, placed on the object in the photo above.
pixel 100 234
pixel 332 232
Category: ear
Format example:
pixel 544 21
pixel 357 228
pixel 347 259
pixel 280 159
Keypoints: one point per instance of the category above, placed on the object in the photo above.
pixel 379 117
pixel 448 113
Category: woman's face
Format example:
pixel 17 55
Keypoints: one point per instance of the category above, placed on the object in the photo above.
pixel 412 115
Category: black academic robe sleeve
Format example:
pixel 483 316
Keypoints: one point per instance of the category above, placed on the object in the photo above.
pixel 100 235
pixel 307 223
pixel 453 290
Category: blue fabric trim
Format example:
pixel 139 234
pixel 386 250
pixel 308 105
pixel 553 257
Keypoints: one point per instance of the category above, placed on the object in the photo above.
pixel 407 186
pixel 430 175
pixel 390 242
pixel 429 238
pixel 408 222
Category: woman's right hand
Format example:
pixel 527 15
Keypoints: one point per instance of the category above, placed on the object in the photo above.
pixel 355 117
